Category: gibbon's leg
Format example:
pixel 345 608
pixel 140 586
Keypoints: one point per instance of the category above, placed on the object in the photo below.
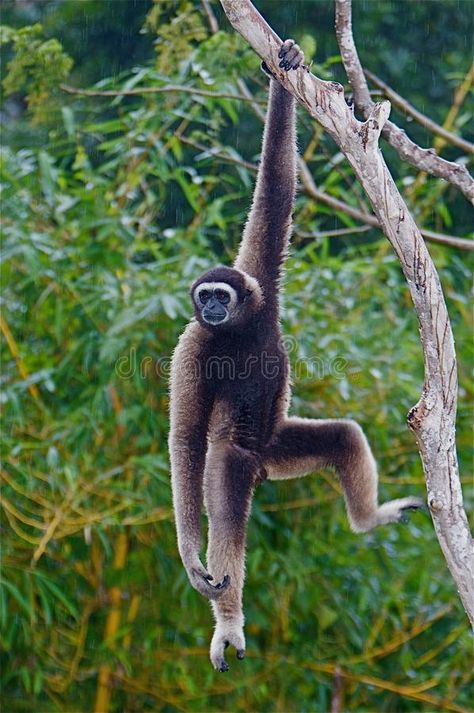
pixel 228 485
pixel 302 445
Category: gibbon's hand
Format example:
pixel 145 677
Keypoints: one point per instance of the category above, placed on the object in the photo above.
pixel 200 580
pixel 290 56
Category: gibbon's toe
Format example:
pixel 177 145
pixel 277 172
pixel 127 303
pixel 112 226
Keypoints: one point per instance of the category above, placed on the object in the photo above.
pixel 217 656
pixel 241 654
pixel 415 504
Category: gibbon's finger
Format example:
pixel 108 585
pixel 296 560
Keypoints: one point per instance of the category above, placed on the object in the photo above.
pixel 200 580
pixel 293 54
pixel 286 46
pixel 211 591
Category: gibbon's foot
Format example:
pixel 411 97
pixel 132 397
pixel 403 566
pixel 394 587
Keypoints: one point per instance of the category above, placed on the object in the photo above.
pixel 200 580
pixel 395 510
pixel 226 633
pixel 392 511
pixel 290 56
pixel 421 505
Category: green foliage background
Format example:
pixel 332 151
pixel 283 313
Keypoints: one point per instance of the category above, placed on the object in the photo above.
pixel 108 212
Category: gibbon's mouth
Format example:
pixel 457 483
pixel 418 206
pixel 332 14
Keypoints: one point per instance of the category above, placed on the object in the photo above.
pixel 214 318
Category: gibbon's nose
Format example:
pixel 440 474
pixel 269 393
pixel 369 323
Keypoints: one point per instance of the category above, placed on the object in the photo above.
pixel 214 306
pixel 214 312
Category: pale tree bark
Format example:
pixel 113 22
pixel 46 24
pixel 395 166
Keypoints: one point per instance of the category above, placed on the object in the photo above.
pixel 432 419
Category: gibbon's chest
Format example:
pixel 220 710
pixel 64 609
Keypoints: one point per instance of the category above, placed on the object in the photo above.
pixel 246 384
pixel 247 369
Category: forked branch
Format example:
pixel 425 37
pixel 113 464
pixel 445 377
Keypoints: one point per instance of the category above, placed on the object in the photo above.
pixel 433 418
pixel 424 159
pixel 423 120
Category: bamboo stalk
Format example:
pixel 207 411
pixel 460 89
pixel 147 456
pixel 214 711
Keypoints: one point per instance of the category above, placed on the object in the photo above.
pixel 131 616
pixel 15 352
pixel 460 94
pixel 104 690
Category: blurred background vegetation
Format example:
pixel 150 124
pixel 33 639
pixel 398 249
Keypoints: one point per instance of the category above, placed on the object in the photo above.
pixel 111 205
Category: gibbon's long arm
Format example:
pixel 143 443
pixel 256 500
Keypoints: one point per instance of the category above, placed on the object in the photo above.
pixel 266 234
pixel 190 408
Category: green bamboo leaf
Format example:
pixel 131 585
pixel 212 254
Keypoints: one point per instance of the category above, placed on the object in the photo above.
pixel 68 604
pixel 18 597
pixel 69 123
pixel 47 177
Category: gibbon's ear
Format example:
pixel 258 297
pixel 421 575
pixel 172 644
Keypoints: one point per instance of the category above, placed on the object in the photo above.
pixel 253 291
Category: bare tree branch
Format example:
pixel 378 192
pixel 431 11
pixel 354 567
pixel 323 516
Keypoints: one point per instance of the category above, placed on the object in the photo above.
pixel 433 418
pixel 425 121
pixel 337 233
pixel 425 159
pixel 311 190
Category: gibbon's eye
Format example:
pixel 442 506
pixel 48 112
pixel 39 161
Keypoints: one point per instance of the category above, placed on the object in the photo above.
pixel 222 296
pixel 204 295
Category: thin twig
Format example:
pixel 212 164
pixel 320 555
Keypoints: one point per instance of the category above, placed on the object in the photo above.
pixel 336 698
pixel 218 153
pixel 425 121
pixel 433 237
pixel 339 232
pixel 213 24
pixel 150 90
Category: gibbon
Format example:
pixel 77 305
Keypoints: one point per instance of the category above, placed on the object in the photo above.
pixel 230 392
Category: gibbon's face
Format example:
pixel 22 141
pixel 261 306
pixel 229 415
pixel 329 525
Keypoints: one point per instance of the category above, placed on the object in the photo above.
pixel 225 297
pixel 215 300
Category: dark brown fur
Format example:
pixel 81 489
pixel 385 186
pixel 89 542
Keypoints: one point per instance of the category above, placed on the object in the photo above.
pixel 230 397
